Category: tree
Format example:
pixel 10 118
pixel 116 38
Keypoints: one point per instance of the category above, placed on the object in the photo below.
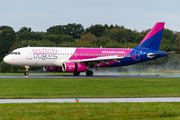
pixel 101 41
pixel 88 37
pixel 177 43
pixel 118 34
pixel 59 38
pixel 169 35
pixel 23 29
pixel 97 30
pixel 73 29
pixel 138 39
pixel 7 39
pixel 26 35
pixel 167 45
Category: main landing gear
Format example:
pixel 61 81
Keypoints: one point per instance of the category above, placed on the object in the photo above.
pixel 76 73
pixel 88 73
pixel 27 72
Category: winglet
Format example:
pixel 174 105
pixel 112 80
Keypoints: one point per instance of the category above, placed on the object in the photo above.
pixel 153 38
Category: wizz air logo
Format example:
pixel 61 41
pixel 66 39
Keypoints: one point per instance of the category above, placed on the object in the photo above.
pixel 44 54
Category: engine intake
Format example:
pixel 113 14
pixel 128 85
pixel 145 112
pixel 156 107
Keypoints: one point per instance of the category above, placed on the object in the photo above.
pixel 74 67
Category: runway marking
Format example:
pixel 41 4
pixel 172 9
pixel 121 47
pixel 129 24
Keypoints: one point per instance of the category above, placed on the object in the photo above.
pixel 92 100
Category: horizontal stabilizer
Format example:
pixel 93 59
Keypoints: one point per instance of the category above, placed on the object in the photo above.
pixel 151 55
pixel 171 52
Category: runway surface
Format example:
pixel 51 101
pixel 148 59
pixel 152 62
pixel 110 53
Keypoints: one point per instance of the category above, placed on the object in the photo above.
pixel 95 76
pixel 91 100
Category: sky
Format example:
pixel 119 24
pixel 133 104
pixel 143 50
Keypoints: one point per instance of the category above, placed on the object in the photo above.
pixel 138 15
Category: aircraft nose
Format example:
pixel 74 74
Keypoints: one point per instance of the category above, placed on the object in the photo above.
pixel 6 59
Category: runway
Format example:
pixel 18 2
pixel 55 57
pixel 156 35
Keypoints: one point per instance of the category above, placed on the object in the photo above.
pixel 95 76
pixel 91 100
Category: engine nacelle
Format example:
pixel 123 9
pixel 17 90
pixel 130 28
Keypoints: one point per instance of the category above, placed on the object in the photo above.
pixel 74 67
pixel 52 69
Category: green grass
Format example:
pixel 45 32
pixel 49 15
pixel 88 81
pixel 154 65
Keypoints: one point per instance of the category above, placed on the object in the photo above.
pixel 89 88
pixel 95 111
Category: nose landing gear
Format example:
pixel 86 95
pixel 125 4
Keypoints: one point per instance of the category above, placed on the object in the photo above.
pixel 27 72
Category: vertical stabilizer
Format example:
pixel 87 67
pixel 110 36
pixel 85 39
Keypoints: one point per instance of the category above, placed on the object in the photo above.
pixel 153 39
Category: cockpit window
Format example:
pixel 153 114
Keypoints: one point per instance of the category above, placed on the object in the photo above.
pixel 15 53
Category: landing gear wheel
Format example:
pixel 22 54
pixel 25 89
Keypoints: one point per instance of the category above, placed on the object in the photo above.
pixel 89 73
pixel 27 72
pixel 76 73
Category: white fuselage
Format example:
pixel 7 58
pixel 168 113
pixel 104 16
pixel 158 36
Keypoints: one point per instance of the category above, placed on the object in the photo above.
pixel 39 56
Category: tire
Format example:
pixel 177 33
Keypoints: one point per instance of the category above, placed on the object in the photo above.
pixel 26 73
pixel 76 73
pixel 89 73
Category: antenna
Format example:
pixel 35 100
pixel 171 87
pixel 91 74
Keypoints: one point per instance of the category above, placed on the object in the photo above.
pixel 28 45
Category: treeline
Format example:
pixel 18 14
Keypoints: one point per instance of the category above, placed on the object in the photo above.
pixel 74 35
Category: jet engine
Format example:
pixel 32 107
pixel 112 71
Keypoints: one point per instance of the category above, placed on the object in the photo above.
pixel 52 69
pixel 74 67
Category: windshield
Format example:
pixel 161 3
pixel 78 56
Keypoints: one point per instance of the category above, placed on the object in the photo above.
pixel 15 53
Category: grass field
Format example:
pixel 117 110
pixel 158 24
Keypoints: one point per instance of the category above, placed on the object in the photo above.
pixel 95 111
pixel 90 88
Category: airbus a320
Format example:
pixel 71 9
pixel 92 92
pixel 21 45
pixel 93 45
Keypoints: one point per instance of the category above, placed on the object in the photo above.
pixel 77 60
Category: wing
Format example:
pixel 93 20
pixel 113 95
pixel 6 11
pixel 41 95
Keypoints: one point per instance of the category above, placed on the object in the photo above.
pixel 95 61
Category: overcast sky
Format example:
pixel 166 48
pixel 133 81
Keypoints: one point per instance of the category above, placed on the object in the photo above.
pixel 132 14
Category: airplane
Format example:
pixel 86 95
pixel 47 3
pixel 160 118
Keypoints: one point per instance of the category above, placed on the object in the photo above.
pixel 76 60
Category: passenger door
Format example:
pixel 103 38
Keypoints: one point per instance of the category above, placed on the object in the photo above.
pixel 29 53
